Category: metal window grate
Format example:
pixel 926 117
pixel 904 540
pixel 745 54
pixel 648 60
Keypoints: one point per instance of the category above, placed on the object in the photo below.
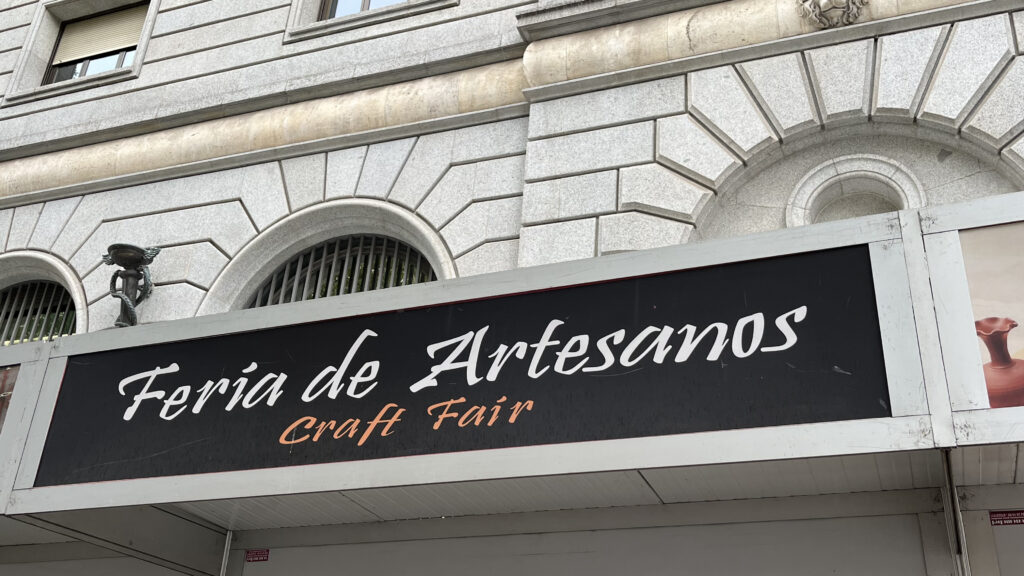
pixel 33 311
pixel 343 266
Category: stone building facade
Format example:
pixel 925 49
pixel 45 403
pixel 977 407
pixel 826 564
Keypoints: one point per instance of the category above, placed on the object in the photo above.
pixel 492 136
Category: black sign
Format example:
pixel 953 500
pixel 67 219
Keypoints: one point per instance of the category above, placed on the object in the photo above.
pixel 784 340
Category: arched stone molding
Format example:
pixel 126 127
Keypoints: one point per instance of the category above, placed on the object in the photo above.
pixel 766 198
pixel 24 265
pixel 310 226
pixel 958 86
pixel 851 176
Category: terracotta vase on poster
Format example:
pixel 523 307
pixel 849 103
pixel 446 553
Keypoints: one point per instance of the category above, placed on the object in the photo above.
pixel 1004 375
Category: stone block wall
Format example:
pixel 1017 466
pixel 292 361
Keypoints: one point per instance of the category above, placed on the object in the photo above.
pixel 223 57
pixel 593 185
pixel 719 150
pixel 465 183
pixel 643 165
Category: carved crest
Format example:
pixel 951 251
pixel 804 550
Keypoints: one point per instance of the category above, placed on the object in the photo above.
pixel 832 13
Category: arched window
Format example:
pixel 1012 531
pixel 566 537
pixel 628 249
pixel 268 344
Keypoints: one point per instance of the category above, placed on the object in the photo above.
pixel 343 266
pixel 35 310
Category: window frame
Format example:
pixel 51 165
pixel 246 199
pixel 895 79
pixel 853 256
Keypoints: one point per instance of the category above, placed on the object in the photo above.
pixel 308 18
pixel 121 54
pixel 35 62
pixel 51 69
pixel 326 9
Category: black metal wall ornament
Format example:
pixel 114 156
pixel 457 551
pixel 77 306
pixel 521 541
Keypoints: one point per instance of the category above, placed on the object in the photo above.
pixel 136 282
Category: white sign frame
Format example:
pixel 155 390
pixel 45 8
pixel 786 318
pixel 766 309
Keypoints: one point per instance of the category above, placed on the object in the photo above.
pixel 910 428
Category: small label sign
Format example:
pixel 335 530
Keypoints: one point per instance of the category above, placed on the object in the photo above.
pixel 1006 517
pixel 261 555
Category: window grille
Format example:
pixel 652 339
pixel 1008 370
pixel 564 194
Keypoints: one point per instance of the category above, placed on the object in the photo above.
pixel 344 266
pixel 36 310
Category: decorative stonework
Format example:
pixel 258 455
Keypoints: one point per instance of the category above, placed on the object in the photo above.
pixel 832 13
pixel 856 178
pixel 312 225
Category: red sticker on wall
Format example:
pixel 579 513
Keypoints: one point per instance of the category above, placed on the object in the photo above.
pixel 1006 517
pixel 261 555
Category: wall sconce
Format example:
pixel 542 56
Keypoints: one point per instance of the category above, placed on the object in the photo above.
pixel 136 283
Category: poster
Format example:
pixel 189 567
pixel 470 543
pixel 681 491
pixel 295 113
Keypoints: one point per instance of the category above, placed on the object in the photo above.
pixel 8 376
pixel 994 260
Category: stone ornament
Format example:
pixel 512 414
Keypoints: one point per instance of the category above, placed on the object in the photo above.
pixel 849 176
pixel 832 13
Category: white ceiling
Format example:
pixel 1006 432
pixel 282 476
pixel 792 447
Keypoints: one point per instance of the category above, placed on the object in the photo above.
pixel 13 533
pixel 988 465
pixel 832 475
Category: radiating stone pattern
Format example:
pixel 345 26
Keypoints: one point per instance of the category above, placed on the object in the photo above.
pixel 742 119
pixel 467 184
pixel 977 50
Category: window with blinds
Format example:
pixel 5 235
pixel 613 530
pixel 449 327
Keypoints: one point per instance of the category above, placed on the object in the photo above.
pixel 97 44
pixel 34 311
pixel 344 265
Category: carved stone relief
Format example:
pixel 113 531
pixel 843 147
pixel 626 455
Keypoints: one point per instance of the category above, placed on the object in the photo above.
pixel 832 13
